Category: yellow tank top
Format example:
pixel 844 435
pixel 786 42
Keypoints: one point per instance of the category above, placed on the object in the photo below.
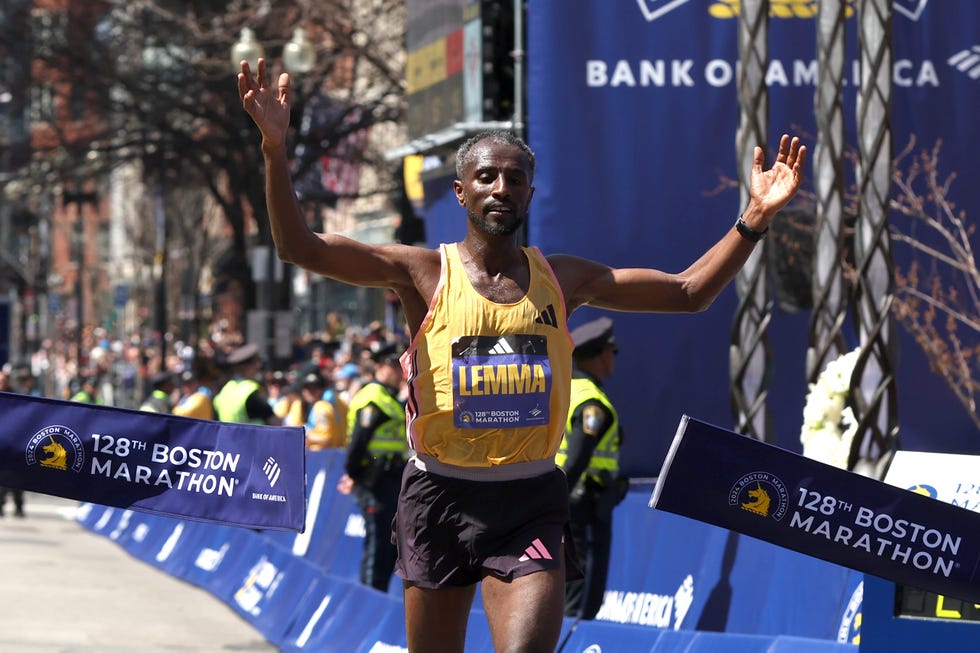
pixel 489 383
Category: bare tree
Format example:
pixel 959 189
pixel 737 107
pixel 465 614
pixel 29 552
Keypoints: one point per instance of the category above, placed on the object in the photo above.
pixel 938 292
pixel 937 284
pixel 155 85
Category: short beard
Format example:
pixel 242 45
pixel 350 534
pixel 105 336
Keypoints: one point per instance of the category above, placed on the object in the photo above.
pixel 480 222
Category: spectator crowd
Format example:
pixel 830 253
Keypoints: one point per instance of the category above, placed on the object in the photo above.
pixel 312 388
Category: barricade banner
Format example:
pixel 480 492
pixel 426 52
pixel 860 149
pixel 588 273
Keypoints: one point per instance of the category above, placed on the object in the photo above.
pixel 600 636
pixel 703 577
pixel 320 467
pixel 176 550
pixel 144 534
pixel 389 636
pixel 234 474
pixel 269 582
pixel 352 618
pixel 723 478
pixel 207 555
pixel 334 616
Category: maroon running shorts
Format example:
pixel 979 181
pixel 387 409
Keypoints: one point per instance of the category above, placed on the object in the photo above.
pixel 450 532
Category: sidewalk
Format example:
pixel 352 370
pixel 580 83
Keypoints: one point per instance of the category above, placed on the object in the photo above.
pixel 65 590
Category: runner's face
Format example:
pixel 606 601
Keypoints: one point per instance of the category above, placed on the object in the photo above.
pixel 496 188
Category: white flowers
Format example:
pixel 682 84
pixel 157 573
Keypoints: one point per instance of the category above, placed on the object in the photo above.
pixel 828 425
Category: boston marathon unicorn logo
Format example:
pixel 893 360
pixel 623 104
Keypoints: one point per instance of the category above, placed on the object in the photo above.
pixel 57 456
pixel 759 503
pixel 925 490
pixel 56 447
pixel 760 493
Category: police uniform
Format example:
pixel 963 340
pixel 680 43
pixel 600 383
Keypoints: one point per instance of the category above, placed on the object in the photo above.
pixel 159 399
pixel 324 419
pixel 375 462
pixel 241 399
pixel 589 454
pixel 84 392
pixel 197 401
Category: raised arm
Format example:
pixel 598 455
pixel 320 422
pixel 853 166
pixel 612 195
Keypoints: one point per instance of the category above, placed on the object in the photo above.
pixel 390 266
pixel 694 289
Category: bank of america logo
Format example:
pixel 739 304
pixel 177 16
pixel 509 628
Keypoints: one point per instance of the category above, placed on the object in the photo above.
pixel 272 470
pixel 911 8
pixel 654 9
pixel 967 61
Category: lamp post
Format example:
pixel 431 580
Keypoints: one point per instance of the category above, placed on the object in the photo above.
pixel 298 56
pixel 160 59
pixel 159 266
pixel 79 200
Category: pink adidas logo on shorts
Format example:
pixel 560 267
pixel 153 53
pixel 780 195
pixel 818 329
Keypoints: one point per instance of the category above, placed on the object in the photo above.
pixel 536 551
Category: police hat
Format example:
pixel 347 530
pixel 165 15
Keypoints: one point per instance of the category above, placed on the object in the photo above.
pixel 385 354
pixel 243 354
pixel 592 337
pixel 311 378
pixel 160 379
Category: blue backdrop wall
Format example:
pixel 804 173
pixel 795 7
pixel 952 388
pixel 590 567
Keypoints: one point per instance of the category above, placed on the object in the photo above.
pixel 632 112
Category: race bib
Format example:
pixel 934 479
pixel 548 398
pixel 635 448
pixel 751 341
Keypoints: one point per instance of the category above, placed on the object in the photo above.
pixel 500 381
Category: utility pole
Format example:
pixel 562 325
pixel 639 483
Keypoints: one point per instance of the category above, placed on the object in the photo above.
pixel 79 199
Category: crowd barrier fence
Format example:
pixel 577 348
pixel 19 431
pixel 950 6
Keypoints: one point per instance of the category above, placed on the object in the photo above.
pixel 674 584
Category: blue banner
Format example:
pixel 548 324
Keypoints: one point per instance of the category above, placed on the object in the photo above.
pixel 670 572
pixel 632 110
pixel 234 474
pixel 722 478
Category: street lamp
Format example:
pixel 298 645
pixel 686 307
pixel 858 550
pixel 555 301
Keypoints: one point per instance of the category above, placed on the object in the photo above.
pixel 79 200
pixel 247 49
pixel 298 56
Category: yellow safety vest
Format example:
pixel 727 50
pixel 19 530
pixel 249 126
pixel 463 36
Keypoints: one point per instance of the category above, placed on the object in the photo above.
pixel 229 403
pixel 389 437
pixel 605 457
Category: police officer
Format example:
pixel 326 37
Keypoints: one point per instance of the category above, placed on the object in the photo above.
pixel 375 460
pixel 84 389
pixel 242 399
pixel 159 400
pixel 320 411
pixel 589 455
pixel 196 398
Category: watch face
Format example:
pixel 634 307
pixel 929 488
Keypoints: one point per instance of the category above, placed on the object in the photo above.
pixel 912 602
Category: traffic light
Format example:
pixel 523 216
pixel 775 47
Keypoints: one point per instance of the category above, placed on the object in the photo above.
pixel 498 61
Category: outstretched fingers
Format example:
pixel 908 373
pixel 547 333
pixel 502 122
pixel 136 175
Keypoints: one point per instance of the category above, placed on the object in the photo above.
pixel 758 159
pixel 263 76
pixel 251 83
pixel 782 155
pixel 797 156
pixel 284 87
pixel 791 152
pixel 245 81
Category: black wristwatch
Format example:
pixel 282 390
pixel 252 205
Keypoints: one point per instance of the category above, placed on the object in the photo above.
pixel 748 233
